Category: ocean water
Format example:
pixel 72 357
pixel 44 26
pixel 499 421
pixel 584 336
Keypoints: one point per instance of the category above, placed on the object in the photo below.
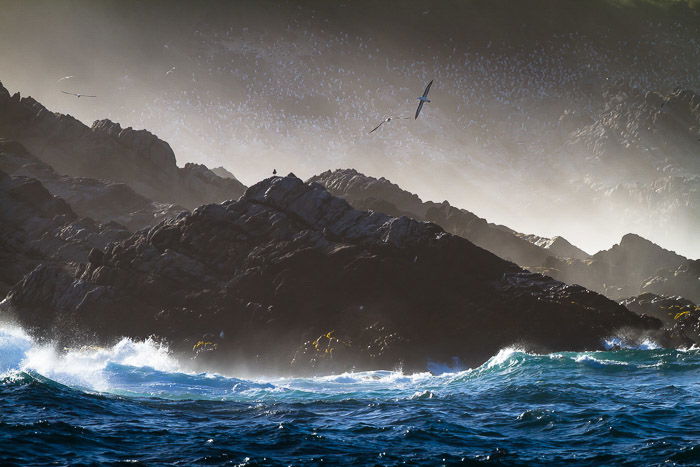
pixel 133 403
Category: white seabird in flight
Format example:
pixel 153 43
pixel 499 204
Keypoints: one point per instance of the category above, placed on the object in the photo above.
pixel 76 95
pixel 170 70
pixel 386 120
pixel 64 78
pixel 424 98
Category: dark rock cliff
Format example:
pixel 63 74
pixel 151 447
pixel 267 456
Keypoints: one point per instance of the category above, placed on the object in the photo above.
pixel 626 269
pixel 290 277
pixel 37 228
pixel 365 192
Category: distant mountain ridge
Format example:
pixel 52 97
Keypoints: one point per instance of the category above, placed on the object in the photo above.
pixel 107 151
pixel 223 282
pixel 634 266
pixel 291 278
pixel 102 200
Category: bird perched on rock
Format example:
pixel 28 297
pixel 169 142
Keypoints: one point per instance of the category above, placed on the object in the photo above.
pixel 424 98
pixel 274 171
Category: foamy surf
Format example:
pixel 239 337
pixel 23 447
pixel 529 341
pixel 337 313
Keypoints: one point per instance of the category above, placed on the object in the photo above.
pixel 148 369
pixel 518 405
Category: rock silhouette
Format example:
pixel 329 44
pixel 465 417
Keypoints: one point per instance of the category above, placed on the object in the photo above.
pixel 298 280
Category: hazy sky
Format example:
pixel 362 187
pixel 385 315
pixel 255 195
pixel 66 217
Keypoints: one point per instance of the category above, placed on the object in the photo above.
pixel 296 86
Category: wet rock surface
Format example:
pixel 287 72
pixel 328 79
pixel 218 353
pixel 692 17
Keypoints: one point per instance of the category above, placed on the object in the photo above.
pixel 38 228
pixel 292 278
pixel 680 316
pixel 628 268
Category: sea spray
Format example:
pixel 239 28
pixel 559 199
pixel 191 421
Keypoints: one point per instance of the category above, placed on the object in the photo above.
pixel 134 401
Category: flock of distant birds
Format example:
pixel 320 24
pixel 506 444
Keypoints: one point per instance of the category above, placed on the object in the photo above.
pixel 421 100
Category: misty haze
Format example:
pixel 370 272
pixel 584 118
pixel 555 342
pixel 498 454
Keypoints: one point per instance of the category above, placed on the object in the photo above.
pixel 358 232
pixel 537 119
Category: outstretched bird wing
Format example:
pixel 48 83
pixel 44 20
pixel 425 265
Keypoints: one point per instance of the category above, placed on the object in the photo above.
pixel 83 95
pixel 427 88
pixel 69 93
pixel 377 127
pixel 420 106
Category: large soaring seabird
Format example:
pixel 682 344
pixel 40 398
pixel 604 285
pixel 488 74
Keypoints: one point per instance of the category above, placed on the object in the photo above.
pixel 424 98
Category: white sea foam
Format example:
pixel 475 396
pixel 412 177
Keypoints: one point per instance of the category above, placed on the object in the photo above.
pixel 146 368
pixel 83 367
pixel 503 356
pixel 594 362
pixel 614 343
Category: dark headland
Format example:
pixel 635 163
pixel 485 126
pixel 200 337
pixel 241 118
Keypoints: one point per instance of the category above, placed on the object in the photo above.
pixel 288 276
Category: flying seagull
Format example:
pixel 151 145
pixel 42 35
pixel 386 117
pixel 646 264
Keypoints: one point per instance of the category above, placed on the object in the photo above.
pixel 386 120
pixel 65 77
pixel 76 95
pixel 424 98
pixel 170 70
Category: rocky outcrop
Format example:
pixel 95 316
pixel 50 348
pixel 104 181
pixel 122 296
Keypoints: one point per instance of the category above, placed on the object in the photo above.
pixel 681 280
pixel 101 200
pixel 365 192
pixel 634 266
pixel 681 317
pixel 223 173
pixel 38 228
pixel 627 269
pixel 291 278
pixel 108 151
pixel 558 246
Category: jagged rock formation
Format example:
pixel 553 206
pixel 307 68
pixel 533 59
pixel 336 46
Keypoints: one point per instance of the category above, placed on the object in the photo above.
pixel 558 246
pixel 101 200
pixel 680 316
pixel 627 269
pixel 683 280
pixel 633 266
pixel 381 195
pixel 291 277
pixel 108 151
pixel 223 173
pixel 38 228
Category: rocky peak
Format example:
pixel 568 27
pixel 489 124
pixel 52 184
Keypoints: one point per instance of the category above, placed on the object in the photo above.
pixel 223 173
pixel 558 246
pixel 107 151
pixel 101 200
pixel 381 195
pixel 107 127
pixel 313 204
pixel 357 187
pixel 642 248
pixel 289 262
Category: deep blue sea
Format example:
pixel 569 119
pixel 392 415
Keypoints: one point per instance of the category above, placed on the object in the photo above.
pixel 133 403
